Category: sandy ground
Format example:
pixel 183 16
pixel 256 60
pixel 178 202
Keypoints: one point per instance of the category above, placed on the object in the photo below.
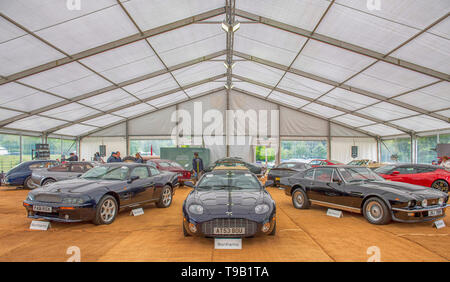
pixel 302 235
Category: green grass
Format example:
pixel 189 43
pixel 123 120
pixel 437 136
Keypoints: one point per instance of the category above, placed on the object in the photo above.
pixel 8 161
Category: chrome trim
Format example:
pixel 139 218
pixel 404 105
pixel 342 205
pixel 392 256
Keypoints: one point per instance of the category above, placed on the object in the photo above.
pixel 421 210
pixel 331 205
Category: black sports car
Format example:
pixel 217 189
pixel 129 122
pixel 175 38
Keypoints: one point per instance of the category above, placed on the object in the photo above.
pixel 286 169
pixel 360 190
pixel 98 194
pixel 235 161
pixel 228 203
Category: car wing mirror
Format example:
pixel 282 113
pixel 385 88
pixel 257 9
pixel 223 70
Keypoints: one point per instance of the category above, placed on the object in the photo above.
pixel 79 175
pixel 269 183
pixel 189 184
pixel 132 178
pixel 395 172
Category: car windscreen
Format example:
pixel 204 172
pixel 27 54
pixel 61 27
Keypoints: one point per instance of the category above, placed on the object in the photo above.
pixel 229 180
pixel 384 169
pixel 107 173
pixel 355 174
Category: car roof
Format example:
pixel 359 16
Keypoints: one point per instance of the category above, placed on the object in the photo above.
pixel 125 164
pixel 341 166
pixel 239 167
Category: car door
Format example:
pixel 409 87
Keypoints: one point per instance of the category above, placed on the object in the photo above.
pixel 141 189
pixel 319 189
pixel 406 174
pixel 158 183
pixel 59 172
pixel 75 171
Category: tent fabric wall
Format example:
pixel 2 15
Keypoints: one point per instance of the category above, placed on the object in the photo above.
pixel 294 123
pixel 341 148
pixel 117 130
pixel 341 131
pixel 90 145
pixel 157 123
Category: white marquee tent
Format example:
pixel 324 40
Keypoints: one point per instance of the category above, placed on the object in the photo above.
pixel 345 71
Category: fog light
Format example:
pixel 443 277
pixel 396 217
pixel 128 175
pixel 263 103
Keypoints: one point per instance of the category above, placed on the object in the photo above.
pixel 192 227
pixel 266 227
pixel 411 214
pixel 441 201
pixel 66 216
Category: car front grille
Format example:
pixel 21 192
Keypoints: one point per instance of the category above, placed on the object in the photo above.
pixel 49 198
pixel 250 226
pixel 432 202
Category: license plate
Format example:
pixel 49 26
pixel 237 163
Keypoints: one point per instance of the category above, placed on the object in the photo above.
pixel 435 212
pixel 42 209
pixel 277 178
pixel 229 230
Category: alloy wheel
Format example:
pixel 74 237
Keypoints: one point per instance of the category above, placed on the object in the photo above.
pixel 108 210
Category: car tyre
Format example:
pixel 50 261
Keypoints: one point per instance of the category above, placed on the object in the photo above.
pixel 165 200
pixel 185 233
pixel 274 230
pixel 28 183
pixel 48 181
pixel 440 185
pixel 106 211
pixel 300 199
pixel 376 211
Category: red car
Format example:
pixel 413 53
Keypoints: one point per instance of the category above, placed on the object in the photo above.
pixel 168 165
pixel 433 176
pixel 320 162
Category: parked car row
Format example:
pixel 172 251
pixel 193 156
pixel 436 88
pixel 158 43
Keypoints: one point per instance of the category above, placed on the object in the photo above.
pixel 229 200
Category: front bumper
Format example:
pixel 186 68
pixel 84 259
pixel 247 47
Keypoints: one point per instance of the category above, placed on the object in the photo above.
pixel 415 215
pixel 206 228
pixel 61 212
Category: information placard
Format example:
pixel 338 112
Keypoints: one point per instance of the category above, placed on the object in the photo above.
pixel 228 243
pixel 137 212
pixel 334 213
pixel 40 225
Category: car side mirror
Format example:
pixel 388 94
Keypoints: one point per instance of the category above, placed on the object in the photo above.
pixel 189 184
pixel 269 183
pixel 132 178
pixel 337 181
pixel 79 175
pixel 396 172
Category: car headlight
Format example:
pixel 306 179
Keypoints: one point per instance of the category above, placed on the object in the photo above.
pixel 424 203
pixel 411 203
pixel 260 209
pixel 441 201
pixel 30 197
pixel 196 209
pixel 73 201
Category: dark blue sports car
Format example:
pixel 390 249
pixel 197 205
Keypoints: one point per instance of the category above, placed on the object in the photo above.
pixel 228 203
pixel 98 194
pixel 20 175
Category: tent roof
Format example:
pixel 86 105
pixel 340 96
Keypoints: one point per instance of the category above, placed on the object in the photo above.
pixel 72 72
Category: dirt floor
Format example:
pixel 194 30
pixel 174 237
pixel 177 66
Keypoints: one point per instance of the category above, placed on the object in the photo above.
pixel 302 235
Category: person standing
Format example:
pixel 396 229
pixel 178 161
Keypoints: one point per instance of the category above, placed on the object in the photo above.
pixel 114 158
pixel 445 162
pixel 138 158
pixel 73 158
pixel 197 166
